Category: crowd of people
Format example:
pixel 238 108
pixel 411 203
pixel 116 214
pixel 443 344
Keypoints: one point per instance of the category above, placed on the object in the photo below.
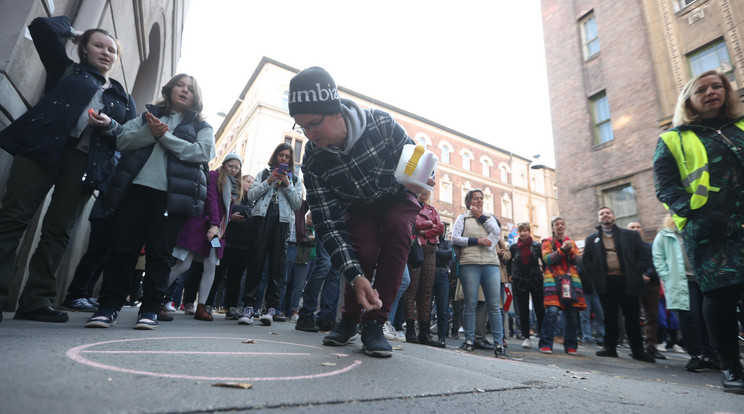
pixel 274 247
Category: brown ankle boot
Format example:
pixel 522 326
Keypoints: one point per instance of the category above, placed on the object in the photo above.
pixel 201 313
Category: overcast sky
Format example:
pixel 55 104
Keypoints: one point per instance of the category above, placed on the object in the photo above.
pixel 477 67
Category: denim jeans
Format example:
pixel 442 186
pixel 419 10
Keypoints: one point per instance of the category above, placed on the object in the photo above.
pixel 404 282
pixel 322 280
pixel 440 291
pixel 298 278
pixel 550 324
pixel 488 277
pixel 592 306
pixel 289 260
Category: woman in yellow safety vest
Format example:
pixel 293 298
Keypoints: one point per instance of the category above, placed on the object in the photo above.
pixel 699 175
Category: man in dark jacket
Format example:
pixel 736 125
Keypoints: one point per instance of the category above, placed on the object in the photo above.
pixel 616 259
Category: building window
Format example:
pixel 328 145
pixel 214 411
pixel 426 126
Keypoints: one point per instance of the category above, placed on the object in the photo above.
pixel 467 156
pixel 713 57
pixel 296 146
pixel 445 189
pixel 446 149
pixel 285 100
pixel 681 4
pixel 506 210
pixel 504 173
pixel 601 118
pixel 486 165
pixel 445 155
pixel 589 36
pixel 487 201
pixel 422 139
pixel 622 202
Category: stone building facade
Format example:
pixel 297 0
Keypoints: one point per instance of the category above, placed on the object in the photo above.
pixel 150 32
pixel 259 121
pixel 614 72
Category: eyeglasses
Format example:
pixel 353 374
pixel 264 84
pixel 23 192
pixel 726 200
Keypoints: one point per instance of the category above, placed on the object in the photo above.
pixel 309 127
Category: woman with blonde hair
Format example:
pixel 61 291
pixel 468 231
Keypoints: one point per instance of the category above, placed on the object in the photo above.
pixel 699 176
pixel 417 298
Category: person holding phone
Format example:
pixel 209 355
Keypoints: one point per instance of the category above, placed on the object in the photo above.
pixel 276 194
pixel 160 181
pixel 202 237
pixel 67 141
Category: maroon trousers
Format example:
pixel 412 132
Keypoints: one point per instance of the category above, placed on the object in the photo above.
pixel 381 236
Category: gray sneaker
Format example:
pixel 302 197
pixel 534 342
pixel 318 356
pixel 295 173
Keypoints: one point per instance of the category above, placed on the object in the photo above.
pixel 79 305
pixel 268 317
pixel 247 318
pixel 234 314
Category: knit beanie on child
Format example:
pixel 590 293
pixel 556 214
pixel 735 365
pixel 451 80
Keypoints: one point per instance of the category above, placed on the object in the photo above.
pixel 313 91
pixel 232 156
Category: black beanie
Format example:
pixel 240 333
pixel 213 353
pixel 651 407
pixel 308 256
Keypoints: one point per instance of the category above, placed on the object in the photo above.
pixel 313 91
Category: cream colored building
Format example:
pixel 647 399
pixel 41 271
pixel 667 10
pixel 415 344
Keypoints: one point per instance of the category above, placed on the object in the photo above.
pixel 150 32
pixel 259 121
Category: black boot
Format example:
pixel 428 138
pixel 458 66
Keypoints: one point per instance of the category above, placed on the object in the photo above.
pixel 733 378
pixel 424 336
pixel 411 331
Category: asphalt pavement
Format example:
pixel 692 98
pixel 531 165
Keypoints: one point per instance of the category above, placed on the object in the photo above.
pixel 191 366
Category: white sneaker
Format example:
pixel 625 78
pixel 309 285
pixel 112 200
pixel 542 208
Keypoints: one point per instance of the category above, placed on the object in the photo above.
pixel 400 336
pixel 388 331
pixel 294 318
pixel 527 343
pixel 678 349
pixel 247 318
pixel 169 307
pixel 661 348
pixel 189 309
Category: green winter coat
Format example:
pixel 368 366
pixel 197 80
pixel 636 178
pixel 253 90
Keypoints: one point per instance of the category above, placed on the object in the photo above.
pixel 670 266
pixel 714 234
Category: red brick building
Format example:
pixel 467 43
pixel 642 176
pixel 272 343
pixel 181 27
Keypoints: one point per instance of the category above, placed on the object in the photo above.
pixel 614 72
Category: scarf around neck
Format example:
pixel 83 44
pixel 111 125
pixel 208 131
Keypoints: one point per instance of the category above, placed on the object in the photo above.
pixel 525 247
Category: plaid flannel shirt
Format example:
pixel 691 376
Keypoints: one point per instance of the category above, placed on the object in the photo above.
pixel 354 178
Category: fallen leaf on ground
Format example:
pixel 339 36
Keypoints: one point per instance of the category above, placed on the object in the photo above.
pixel 273 333
pixel 397 348
pixel 248 341
pixel 241 385
pixel 329 364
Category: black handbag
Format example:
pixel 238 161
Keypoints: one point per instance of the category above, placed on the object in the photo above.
pixel 416 255
pixel 566 292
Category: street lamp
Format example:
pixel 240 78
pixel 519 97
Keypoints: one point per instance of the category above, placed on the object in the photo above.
pixel 535 165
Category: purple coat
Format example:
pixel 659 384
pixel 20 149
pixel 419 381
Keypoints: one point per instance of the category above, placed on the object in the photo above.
pixel 194 233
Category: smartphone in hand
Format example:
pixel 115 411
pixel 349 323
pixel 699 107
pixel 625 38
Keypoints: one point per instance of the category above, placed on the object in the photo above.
pixel 283 168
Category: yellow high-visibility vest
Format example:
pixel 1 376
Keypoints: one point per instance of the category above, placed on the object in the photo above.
pixel 692 162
